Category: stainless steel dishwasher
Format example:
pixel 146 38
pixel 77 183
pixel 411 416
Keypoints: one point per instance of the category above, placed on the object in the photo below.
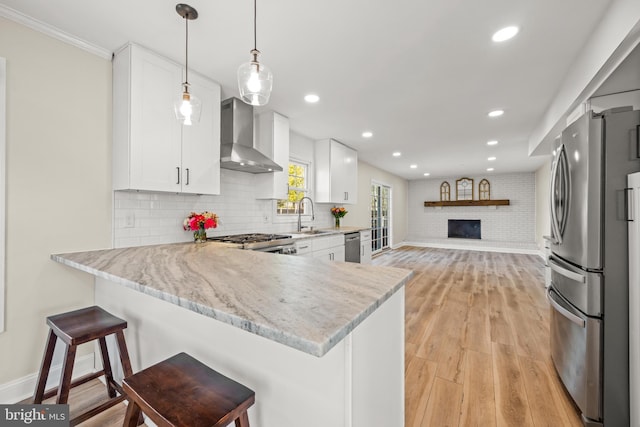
pixel 352 247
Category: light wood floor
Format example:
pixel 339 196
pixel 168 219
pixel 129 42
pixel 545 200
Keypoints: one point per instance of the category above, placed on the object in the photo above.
pixel 477 341
pixel 477 344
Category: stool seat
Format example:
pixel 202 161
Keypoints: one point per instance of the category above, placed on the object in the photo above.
pixel 75 328
pixel 84 325
pixel 182 391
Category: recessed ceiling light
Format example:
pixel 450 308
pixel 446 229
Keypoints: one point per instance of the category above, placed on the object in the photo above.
pixel 492 142
pixel 312 98
pixel 413 166
pixel 504 34
pixel 496 113
pixel 426 174
pixel 397 154
pixel 367 134
pixel 489 169
pixel 491 159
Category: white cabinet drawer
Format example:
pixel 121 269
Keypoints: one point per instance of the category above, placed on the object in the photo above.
pixel 304 247
pixel 319 243
pixel 365 235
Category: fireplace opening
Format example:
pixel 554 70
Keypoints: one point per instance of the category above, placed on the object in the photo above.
pixel 464 229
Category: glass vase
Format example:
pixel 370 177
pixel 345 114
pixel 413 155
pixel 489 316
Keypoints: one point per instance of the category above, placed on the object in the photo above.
pixel 337 222
pixel 200 235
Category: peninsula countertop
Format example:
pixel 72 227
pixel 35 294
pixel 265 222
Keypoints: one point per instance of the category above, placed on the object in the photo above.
pixel 304 303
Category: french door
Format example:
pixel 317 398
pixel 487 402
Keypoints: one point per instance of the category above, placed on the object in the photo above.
pixel 380 217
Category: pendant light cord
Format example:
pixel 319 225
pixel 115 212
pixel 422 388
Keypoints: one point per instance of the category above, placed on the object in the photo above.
pixel 186 52
pixel 255 19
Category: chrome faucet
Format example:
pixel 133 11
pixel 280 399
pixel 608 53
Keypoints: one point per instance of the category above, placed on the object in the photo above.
pixel 313 216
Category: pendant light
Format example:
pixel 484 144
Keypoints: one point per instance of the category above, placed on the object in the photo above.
pixel 187 107
pixel 255 79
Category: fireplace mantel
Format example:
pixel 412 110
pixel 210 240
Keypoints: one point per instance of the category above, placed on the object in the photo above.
pixel 499 202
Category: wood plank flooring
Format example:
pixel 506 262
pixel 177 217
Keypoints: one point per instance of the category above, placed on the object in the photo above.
pixel 476 344
pixel 477 341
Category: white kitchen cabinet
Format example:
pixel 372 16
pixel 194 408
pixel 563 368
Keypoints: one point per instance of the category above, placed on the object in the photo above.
pixel 336 173
pixel 272 140
pixel 365 247
pixel 330 247
pixel 151 150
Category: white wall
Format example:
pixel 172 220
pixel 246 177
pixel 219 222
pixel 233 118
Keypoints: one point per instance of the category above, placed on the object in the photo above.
pixel 58 184
pixel 360 215
pixel 543 203
pixel 510 227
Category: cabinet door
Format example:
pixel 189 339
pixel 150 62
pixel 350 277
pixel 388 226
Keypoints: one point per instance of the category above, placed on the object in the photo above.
pixel 272 140
pixel 365 247
pixel 155 153
pixel 338 253
pixel 344 173
pixel 201 141
pixel 336 173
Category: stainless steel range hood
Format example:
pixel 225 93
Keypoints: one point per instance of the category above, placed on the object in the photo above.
pixel 236 140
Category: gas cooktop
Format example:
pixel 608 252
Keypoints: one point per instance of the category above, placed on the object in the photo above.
pixel 249 238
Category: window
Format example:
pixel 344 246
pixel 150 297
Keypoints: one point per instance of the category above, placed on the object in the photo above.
pixel 298 187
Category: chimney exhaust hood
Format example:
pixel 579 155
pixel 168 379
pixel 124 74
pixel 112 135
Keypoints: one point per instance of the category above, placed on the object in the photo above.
pixel 236 140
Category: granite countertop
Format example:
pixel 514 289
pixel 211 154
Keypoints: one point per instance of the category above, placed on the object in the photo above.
pixel 301 302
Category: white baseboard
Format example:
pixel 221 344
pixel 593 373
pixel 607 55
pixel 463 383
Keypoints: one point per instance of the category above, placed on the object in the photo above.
pixel 472 248
pixel 22 388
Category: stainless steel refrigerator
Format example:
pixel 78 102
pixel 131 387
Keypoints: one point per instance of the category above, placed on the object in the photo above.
pixel 633 183
pixel 589 288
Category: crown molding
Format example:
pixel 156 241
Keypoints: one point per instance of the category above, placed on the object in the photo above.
pixel 51 31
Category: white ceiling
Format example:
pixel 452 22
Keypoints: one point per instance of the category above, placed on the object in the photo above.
pixel 421 75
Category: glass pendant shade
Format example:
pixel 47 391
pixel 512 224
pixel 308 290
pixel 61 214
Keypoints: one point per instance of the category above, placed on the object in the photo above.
pixel 255 82
pixel 187 108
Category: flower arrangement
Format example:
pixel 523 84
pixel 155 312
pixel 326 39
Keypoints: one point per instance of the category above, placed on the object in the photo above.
pixel 199 223
pixel 338 213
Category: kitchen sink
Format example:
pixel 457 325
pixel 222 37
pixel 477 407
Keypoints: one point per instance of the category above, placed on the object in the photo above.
pixel 317 232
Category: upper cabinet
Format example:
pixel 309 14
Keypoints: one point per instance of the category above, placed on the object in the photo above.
pixel 272 140
pixel 336 173
pixel 151 150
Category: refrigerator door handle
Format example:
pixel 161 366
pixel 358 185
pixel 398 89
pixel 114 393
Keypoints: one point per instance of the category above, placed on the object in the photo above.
pixel 628 201
pixel 577 277
pixel 554 220
pixel 564 311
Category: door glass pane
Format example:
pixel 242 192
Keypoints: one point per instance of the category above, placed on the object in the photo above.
pixel 380 214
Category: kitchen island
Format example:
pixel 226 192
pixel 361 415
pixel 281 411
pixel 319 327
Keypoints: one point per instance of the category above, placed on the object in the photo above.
pixel 321 343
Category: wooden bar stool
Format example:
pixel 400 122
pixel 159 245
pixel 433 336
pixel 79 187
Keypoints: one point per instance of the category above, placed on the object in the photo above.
pixel 183 392
pixel 75 328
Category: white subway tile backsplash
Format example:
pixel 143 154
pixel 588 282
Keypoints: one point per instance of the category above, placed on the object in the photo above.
pixel 158 217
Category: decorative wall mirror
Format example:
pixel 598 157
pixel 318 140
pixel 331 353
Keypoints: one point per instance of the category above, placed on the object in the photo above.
pixel 464 189
pixel 445 192
pixel 484 190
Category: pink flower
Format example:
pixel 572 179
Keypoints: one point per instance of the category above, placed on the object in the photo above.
pixel 210 223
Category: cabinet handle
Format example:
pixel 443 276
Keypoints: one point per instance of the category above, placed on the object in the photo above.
pixel 187 177
pixel 178 169
pixel 303 247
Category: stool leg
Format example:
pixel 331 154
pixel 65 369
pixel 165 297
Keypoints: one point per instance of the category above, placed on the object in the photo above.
pixel 242 420
pixel 65 378
pixel 124 354
pixel 44 368
pixel 106 366
pixel 133 415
